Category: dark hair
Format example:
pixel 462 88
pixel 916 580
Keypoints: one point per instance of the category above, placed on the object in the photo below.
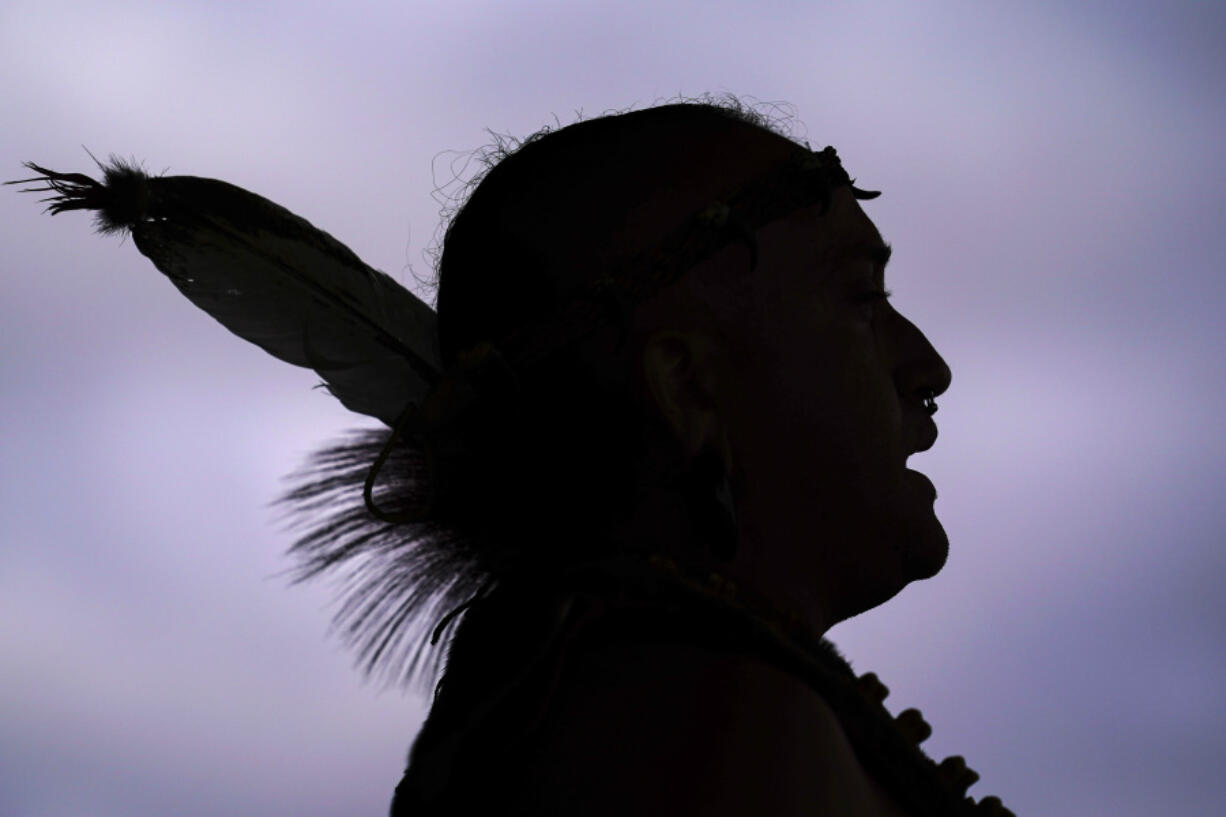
pixel 541 465
pixel 566 187
pixel 543 222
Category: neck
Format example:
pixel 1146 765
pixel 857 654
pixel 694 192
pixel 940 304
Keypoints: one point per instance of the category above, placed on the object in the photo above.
pixel 790 591
pixel 665 522
pixel 662 522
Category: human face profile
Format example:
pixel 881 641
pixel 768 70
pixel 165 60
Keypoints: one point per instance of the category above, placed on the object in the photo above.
pixel 827 406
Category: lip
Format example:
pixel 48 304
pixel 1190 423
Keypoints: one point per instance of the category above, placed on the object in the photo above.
pixel 920 477
pixel 925 436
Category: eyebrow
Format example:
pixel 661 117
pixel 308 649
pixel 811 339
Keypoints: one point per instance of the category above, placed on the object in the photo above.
pixel 874 249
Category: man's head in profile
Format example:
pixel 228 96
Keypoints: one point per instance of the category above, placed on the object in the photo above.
pixel 798 379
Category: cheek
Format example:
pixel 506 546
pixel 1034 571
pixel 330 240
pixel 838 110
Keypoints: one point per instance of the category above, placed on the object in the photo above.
pixel 822 419
pixel 812 391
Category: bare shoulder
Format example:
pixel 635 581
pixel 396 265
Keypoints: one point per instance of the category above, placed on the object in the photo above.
pixel 668 728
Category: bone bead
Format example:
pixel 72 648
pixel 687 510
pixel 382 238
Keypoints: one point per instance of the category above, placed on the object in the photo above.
pixel 991 806
pixel 954 772
pixel 912 724
pixel 871 686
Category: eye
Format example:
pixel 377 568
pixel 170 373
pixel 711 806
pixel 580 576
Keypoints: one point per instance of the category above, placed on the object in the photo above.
pixel 871 299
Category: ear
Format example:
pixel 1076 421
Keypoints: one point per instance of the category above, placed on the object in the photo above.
pixel 681 373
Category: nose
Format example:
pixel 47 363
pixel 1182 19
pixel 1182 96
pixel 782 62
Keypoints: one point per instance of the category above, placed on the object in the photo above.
pixel 920 369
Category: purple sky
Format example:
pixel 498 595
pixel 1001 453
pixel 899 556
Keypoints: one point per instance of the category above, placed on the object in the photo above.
pixel 1053 187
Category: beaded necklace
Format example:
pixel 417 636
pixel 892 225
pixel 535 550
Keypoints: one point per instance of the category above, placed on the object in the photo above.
pixel 887 745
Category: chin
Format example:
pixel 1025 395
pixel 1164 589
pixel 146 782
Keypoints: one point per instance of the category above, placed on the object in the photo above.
pixel 920 550
pixel 926 549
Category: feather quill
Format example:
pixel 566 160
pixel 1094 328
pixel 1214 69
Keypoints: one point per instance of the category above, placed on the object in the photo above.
pixel 271 278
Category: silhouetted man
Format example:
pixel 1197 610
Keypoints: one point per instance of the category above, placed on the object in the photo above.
pixel 652 446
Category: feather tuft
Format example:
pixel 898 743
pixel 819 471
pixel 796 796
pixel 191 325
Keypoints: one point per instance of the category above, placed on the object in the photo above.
pixel 121 200
pixel 397 582
pixel 130 197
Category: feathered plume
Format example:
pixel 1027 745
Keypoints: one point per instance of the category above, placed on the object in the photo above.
pixel 269 277
pixel 275 280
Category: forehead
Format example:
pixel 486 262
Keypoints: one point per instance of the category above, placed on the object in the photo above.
pixel 843 233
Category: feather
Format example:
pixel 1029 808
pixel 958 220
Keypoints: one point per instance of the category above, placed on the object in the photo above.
pixel 271 278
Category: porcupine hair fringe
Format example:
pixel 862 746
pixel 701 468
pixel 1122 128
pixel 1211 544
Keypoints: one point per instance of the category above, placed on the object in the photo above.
pixel 396 581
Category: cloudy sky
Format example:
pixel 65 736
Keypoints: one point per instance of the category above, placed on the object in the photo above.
pixel 1053 183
